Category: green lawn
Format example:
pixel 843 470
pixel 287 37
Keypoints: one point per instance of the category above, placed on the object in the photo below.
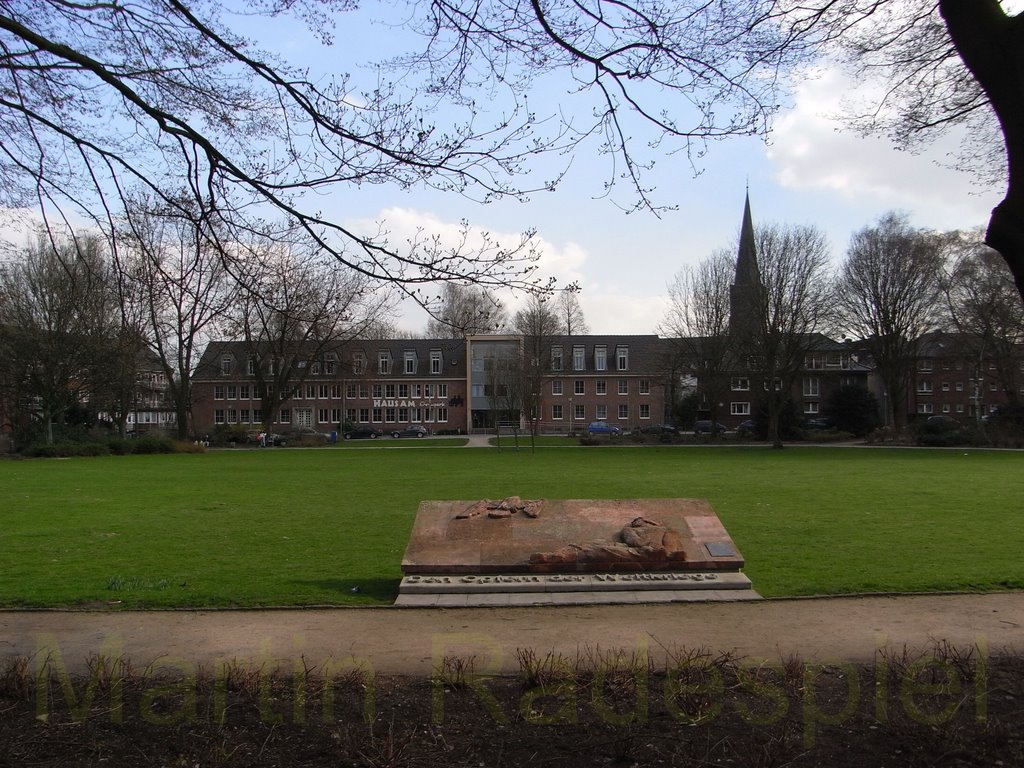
pixel 286 526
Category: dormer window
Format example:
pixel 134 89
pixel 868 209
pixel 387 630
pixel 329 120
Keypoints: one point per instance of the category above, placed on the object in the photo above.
pixel 409 361
pixel 227 365
pixel 600 358
pixel 384 361
pixel 556 358
pixel 578 359
pixel 436 361
pixel 358 363
pixel 622 358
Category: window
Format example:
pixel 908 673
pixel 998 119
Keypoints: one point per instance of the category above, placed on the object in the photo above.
pixel 442 391
pixel 579 412
pixel 959 407
pixel 403 414
pixel 622 357
pixel 417 390
pixel 925 364
pixel 244 392
pixel 945 386
pixel 810 407
pixel 364 415
pixel 945 407
pixel 601 413
pixel 218 392
pixel 579 387
pixel 778 385
pixel 623 411
pixel 389 415
pixel 435 361
pixel 250 366
pixel 623 386
pixel 740 385
pixel 350 414
pixel 428 390
pixel 311 391
pixel 556 412
pixel 285 416
pixel 384 361
pixel 378 415
pixel 645 411
pixel 924 408
pixel 335 415
pixel 257 415
pixel 322 416
pixel 578 359
pixel 442 414
pixel 601 386
pixel 814 362
pixel 218 416
pixel 378 391
pixel 959 386
pixel 601 358
pixel 410 362
pixel 556 387
pixel 350 390
pixel 314 369
pixel 645 386
pixel 739 409
pixel 364 391
pixel 232 392
pixel 227 364
pixel 403 390
pixel 924 388
pixel 358 363
pixel 330 362
pixel 812 386
pixel 556 358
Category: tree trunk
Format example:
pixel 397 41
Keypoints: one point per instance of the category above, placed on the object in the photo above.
pixel 991 45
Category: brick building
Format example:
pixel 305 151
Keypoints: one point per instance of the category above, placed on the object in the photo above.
pixel 446 385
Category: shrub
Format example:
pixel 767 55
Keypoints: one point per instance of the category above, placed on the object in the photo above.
pixel 154 444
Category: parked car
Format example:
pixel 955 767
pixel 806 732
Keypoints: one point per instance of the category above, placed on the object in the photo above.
pixel 413 430
pixel 307 434
pixel 657 429
pixel 602 428
pixel 706 427
pixel 363 433
pixel 747 428
pixel 814 425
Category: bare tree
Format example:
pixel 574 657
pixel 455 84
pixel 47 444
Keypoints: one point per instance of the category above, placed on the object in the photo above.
pixel 571 314
pixel 798 295
pixel 178 283
pixel 984 305
pixel 540 322
pixel 294 308
pixel 890 294
pixel 697 324
pixel 466 310
pixel 57 325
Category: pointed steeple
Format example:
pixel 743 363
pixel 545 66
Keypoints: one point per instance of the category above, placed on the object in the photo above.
pixel 747 291
pixel 747 272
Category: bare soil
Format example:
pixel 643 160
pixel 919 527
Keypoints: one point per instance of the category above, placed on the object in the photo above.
pixel 775 683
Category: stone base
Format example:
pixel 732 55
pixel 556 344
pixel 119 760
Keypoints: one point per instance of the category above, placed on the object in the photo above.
pixel 470 590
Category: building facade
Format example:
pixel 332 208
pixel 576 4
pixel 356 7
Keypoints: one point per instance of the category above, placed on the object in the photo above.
pixel 446 385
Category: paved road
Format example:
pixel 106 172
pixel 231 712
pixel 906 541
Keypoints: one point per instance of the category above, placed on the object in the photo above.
pixel 412 641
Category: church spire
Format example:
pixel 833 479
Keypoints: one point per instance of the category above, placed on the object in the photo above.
pixel 747 292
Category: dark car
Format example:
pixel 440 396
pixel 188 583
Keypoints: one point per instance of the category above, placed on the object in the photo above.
pixel 602 428
pixel 706 427
pixel 363 433
pixel 413 430
pixel 747 428
pixel 814 425
pixel 657 429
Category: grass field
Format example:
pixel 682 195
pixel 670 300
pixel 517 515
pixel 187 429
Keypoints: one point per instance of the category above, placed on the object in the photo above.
pixel 293 527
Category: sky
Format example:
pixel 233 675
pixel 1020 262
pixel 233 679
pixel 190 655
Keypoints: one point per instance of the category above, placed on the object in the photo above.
pixel 809 171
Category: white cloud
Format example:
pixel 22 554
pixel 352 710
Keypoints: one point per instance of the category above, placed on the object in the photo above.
pixel 811 150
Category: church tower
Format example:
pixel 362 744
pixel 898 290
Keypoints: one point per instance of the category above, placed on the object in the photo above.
pixel 747 291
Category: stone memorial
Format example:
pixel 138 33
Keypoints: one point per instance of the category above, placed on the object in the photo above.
pixel 545 551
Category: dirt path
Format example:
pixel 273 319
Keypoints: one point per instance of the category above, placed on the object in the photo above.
pixel 413 641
